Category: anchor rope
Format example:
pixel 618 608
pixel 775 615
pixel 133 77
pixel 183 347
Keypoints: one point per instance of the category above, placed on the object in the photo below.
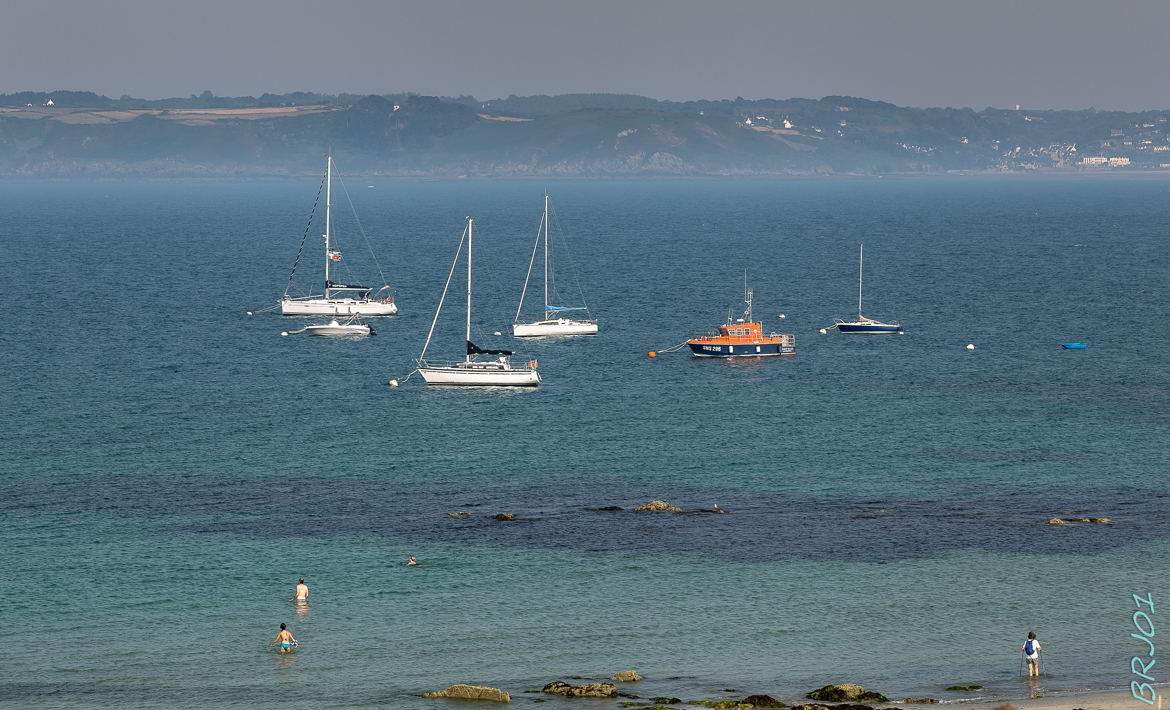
pixel 673 348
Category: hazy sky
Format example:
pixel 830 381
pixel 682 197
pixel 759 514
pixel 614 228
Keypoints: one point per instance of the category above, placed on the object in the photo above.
pixel 976 53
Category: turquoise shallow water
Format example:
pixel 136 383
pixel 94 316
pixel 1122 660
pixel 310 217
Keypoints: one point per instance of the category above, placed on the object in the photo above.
pixel 172 465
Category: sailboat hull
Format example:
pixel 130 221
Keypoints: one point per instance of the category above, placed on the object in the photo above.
pixel 336 307
pixel 560 326
pixel 869 328
pixel 479 374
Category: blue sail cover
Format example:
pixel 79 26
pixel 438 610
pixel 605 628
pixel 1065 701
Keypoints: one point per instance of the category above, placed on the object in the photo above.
pixel 549 309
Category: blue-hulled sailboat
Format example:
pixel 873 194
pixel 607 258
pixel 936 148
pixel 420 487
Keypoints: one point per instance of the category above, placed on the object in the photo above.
pixel 863 324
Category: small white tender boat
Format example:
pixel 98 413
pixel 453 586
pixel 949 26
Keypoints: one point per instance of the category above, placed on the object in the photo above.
pixel 334 328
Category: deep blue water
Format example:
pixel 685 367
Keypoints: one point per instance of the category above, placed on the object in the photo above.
pixel 171 465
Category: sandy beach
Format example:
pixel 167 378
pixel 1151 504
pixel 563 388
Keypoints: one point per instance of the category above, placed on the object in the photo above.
pixel 1094 700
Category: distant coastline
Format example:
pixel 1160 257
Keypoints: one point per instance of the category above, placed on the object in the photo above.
pixel 71 135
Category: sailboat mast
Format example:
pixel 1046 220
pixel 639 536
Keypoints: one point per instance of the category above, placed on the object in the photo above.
pixel 467 357
pixel 328 204
pixel 860 262
pixel 545 255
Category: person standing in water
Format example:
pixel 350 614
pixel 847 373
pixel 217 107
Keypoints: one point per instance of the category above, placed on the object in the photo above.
pixel 302 594
pixel 1031 650
pixel 285 639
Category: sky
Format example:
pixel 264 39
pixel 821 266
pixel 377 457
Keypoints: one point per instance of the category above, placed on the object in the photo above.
pixel 1039 54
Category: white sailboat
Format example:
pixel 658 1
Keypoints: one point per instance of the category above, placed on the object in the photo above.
pixel 338 298
pixel 472 371
pixel 554 320
pixel 862 324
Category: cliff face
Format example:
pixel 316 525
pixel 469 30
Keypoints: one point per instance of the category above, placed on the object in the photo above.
pixel 554 136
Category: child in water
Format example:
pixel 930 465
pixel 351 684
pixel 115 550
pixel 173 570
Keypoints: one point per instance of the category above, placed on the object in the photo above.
pixel 1031 651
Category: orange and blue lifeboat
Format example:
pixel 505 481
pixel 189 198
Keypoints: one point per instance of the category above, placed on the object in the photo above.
pixel 742 340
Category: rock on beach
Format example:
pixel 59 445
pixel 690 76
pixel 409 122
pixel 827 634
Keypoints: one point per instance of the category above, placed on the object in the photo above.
pixel 846 692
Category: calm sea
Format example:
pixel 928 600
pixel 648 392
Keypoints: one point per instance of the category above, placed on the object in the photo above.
pixel 172 465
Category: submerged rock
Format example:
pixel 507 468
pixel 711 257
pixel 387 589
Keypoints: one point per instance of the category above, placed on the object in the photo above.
pixel 589 690
pixel 460 514
pixel 1056 521
pixel 626 677
pixel 505 516
pixel 655 506
pixel 846 692
pixel 763 701
pixel 460 691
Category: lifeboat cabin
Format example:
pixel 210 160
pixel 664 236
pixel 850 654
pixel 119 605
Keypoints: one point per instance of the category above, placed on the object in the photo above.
pixel 742 340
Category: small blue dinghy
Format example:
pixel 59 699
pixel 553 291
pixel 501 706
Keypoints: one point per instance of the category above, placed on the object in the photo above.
pixel 1073 346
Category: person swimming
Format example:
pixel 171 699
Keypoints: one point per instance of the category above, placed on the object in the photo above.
pixel 285 639
pixel 302 594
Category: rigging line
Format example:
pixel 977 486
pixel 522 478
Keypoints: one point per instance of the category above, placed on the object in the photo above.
pixel 306 234
pixel 486 269
pixel 431 332
pixel 529 274
pixel 361 230
pixel 568 255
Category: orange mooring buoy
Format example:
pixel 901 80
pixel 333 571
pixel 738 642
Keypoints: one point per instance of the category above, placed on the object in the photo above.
pixel 652 354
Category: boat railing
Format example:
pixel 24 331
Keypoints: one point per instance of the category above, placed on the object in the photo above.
pixel 497 364
pixel 711 336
